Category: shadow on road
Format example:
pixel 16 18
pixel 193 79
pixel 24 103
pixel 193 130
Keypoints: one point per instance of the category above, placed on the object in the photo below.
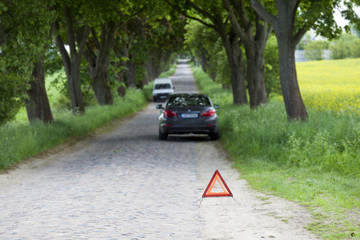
pixel 153 137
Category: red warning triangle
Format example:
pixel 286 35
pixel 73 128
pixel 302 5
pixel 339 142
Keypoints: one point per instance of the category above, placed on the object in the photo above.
pixel 217 178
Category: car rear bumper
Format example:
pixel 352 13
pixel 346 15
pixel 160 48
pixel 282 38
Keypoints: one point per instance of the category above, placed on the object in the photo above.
pixel 184 129
pixel 161 96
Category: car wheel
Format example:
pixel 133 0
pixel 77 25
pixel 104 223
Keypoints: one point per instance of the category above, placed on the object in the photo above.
pixel 154 99
pixel 162 136
pixel 214 136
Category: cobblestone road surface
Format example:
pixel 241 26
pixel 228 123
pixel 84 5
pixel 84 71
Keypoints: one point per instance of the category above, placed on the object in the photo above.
pixel 126 184
pixel 123 185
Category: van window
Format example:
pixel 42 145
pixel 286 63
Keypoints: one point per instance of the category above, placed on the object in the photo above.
pixel 162 86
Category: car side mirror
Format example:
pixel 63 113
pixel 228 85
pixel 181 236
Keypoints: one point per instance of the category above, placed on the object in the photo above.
pixel 216 106
pixel 159 106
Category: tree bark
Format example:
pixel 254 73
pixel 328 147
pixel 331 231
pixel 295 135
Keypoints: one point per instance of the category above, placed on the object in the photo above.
pixel 72 62
pixel 153 64
pixel 37 105
pixel 283 25
pixel 254 44
pixel 295 107
pixel 255 73
pixel 237 68
pixel 236 62
pixel 131 77
pixel 99 64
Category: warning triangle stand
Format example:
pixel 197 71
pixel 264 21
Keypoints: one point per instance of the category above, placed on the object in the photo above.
pixel 217 181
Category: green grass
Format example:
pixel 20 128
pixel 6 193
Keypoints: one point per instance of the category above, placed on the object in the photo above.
pixel 21 140
pixel 316 163
pixel 169 73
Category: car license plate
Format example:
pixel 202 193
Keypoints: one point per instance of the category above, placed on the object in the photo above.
pixel 189 115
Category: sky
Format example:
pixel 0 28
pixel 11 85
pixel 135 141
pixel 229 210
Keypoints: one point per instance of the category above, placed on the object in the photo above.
pixel 339 19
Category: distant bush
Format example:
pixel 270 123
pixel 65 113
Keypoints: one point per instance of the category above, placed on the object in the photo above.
pixel 347 46
pixel 315 49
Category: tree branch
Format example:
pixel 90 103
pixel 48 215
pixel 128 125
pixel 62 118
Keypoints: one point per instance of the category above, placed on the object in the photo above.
pixel 234 22
pixel 294 5
pixel 187 15
pixel 70 30
pixel 300 33
pixel 106 41
pixel 60 44
pixel 240 9
pixel 84 34
pixel 256 5
pixel 96 40
pixel 203 12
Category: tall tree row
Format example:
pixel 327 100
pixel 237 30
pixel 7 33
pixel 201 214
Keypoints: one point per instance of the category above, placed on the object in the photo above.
pixel 213 15
pixel 238 26
pixel 291 20
pixel 248 24
pixel 94 34
pixel 125 43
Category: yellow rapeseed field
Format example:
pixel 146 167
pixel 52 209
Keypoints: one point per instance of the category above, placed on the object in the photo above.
pixel 331 85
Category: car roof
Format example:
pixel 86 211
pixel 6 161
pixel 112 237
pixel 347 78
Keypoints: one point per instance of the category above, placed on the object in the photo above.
pixel 162 80
pixel 189 97
pixel 189 94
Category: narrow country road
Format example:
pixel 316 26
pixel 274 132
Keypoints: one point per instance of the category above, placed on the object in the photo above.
pixel 124 183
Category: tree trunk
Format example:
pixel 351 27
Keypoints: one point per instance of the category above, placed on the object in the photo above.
pixel 74 84
pixel 284 29
pixel 72 62
pixel 150 69
pixel 131 78
pixel 237 69
pixel 255 74
pixel 37 105
pixel 153 65
pixel 99 61
pixel 287 38
pixel 294 104
pixel 98 71
pixel 100 84
pixel 254 43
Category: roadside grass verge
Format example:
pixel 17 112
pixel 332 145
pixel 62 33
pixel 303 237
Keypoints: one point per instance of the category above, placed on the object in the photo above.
pixel 21 140
pixel 169 72
pixel 316 163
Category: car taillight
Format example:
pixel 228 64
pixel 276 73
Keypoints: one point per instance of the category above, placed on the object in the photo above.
pixel 209 113
pixel 168 113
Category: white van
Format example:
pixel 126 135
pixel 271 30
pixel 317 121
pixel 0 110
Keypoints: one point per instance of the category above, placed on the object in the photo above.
pixel 163 88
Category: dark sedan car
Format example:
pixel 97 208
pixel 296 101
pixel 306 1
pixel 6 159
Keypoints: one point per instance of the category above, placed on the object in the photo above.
pixel 188 113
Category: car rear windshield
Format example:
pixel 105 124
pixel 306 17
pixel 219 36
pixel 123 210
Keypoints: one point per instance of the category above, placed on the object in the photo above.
pixel 163 86
pixel 188 100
